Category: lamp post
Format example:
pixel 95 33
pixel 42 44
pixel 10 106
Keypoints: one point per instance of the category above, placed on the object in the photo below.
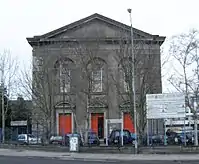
pixel 2 105
pixel 133 82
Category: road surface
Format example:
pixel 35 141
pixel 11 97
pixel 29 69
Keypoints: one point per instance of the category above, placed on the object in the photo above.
pixel 37 160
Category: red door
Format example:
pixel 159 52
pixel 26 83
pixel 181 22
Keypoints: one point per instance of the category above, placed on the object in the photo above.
pixel 94 122
pixel 128 123
pixel 65 123
pixel 97 123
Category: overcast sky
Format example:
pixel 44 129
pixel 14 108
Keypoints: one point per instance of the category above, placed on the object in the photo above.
pixel 25 18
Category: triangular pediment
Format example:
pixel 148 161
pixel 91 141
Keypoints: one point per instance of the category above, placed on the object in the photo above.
pixel 64 105
pixel 94 26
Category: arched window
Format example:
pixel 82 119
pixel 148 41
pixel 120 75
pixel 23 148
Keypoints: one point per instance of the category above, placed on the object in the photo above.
pixel 125 71
pixel 96 69
pixel 64 67
pixel 97 80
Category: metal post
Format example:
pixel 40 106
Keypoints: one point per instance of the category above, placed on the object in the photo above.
pixel 37 132
pixel 147 124
pixel 195 121
pixel 107 131
pixel 2 106
pixel 152 132
pixel 196 131
pixel 185 142
pixel 165 135
pixel 133 83
pixel 122 133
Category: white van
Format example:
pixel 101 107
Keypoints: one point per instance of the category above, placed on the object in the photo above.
pixel 27 139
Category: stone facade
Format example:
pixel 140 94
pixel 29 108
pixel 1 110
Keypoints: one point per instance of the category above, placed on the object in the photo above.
pixel 88 44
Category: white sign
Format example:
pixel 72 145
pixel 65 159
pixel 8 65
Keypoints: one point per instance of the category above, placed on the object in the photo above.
pixel 170 105
pixel 18 123
pixel 73 143
pixel 114 121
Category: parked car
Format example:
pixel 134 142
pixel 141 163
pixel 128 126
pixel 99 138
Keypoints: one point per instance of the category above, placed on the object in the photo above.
pixel 27 139
pixel 92 138
pixel 179 138
pixel 154 140
pixel 115 137
pixel 133 136
pixel 189 139
pixel 56 140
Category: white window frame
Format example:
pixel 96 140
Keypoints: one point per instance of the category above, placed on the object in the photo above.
pixel 65 88
pixel 100 88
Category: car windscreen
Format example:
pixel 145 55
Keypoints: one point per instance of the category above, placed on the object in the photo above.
pixel 118 133
pixel 31 136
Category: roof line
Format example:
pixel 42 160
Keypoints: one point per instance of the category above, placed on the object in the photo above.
pixel 86 19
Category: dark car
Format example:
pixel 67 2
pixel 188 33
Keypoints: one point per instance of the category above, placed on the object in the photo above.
pixel 115 137
pixel 93 139
pixel 174 138
pixel 57 140
pixel 154 140
pixel 133 136
pixel 189 139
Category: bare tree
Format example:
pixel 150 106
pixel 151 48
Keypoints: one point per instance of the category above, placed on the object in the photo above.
pixel 147 71
pixel 8 68
pixel 93 90
pixel 185 78
pixel 65 68
pixel 37 84
pixel 47 78
pixel 145 80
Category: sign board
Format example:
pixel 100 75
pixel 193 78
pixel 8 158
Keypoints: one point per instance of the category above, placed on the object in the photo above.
pixel 74 145
pixel 18 123
pixel 114 121
pixel 168 105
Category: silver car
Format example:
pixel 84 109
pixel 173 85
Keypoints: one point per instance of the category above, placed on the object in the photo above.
pixel 27 139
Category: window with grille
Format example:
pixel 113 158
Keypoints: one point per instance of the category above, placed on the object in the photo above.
pixel 65 79
pixel 126 82
pixel 97 81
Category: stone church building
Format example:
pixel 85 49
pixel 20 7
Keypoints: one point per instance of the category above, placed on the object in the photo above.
pixel 79 77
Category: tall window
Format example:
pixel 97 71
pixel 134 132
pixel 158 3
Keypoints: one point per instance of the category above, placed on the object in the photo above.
pixel 37 63
pixel 97 81
pixel 65 79
pixel 125 82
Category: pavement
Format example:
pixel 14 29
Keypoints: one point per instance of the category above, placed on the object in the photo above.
pixel 36 160
pixel 98 157
pixel 111 150
pixel 57 148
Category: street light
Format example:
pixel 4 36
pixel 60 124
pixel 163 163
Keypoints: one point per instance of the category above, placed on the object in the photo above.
pixel 133 83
